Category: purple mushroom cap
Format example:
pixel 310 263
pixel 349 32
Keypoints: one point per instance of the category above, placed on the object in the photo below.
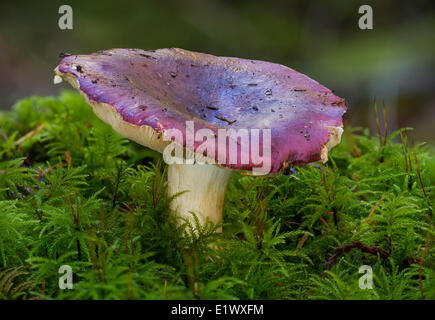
pixel 163 89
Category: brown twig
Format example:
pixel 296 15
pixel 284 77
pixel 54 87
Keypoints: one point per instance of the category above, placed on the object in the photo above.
pixel 358 245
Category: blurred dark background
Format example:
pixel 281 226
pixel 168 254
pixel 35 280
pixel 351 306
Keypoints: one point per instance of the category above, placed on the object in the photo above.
pixel 394 62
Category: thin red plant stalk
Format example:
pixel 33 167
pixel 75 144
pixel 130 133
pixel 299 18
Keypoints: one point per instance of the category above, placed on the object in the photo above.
pixel 324 222
pixel 334 210
pixel 93 256
pixel 423 257
pixel 407 148
pixel 302 241
pixel 418 171
pixel 263 220
pixel 76 217
pixel 357 184
pixel 374 208
pixel 154 191
pixel 129 246
pixel 130 291
pixel 355 151
pixel 165 289
pixel 405 151
pixel 77 210
pixel 385 123
pixel 157 183
pixel 118 180
pixel 378 127
pixel 324 184
pixel 43 287
pixel 103 241
pixel 420 275
pixel 103 222
pixel 332 190
pixel 260 216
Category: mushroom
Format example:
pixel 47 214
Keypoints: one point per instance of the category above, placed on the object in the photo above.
pixel 146 95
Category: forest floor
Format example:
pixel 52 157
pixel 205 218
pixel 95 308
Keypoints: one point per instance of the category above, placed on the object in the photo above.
pixel 75 193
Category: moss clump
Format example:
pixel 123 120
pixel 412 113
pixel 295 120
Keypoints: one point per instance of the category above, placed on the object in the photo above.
pixel 73 192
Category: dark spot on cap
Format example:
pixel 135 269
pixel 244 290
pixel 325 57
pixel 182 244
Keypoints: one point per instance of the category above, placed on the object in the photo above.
pixel 146 56
pixel 225 119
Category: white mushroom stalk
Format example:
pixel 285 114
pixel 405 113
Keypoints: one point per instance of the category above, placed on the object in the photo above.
pixel 203 187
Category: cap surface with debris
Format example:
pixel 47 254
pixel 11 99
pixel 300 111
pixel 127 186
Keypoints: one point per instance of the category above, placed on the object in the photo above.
pixel 143 93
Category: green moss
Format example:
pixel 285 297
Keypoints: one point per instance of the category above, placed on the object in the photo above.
pixel 73 192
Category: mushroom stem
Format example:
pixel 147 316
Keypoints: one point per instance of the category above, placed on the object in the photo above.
pixel 204 187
